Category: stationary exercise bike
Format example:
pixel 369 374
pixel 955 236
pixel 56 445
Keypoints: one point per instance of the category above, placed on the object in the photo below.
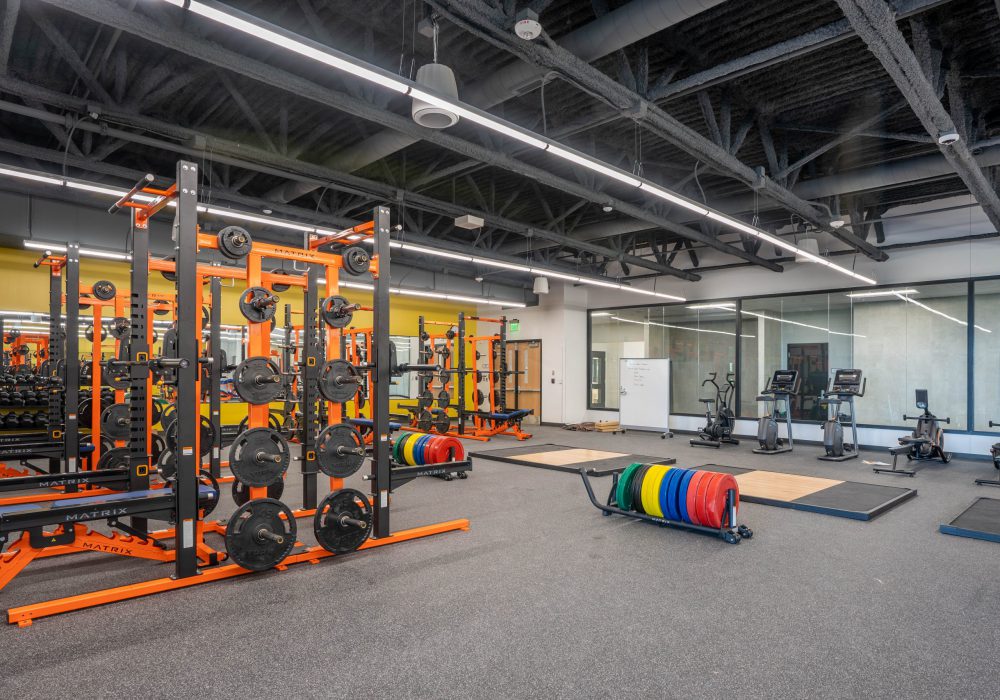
pixel 924 444
pixel 847 384
pixel 718 427
pixel 995 454
pixel 783 385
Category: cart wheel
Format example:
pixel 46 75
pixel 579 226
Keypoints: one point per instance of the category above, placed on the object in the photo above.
pixel 731 538
pixel 745 532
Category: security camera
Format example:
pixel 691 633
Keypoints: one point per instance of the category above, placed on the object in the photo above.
pixel 948 138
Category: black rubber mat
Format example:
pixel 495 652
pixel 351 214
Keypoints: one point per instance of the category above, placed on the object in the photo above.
pixel 980 521
pixel 847 499
pixel 597 467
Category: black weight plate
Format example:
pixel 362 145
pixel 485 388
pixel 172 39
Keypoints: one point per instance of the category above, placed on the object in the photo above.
pixel 442 423
pixel 425 421
pixel 241 492
pixel 443 399
pixel 259 457
pixel 272 422
pixel 480 398
pixel 205 440
pixel 235 242
pixel 206 478
pixel 245 541
pixel 157 446
pixel 169 277
pixel 104 290
pixel 83 413
pixel 444 351
pixel 169 347
pixel 157 405
pixel 88 333
pixel 119 327
pixel 278 286
pixel 114 376
pixel 338 381
pixel 257 380
pixel 340 450
pixel 258 304
pixel 115 458
pixel 424 399
pixel 115 421
pixel 332 532
pixel 480 377
pixel 167 414
pixel 444 376
pixel 356 260
pixel 336 311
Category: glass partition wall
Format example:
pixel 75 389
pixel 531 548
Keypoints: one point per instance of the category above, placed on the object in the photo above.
pixel 904 338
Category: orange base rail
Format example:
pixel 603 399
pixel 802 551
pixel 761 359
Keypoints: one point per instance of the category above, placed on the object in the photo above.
pixel 24 615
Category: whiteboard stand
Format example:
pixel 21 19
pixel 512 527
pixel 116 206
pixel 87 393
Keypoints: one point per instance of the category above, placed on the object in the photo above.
pixel 644 385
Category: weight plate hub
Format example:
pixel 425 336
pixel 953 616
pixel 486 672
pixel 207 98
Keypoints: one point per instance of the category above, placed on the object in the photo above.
pixel 259 457
pixel 343 521
pixel 336 311
pixel 241 492
pixel 340 450
pixel 115 422
pixel 235 242
pixel 258 304
pixel 260 534
pixel 356 260
pixel 338 381
pixel 257 380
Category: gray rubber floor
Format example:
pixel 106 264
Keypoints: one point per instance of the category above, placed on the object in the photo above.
pixel 544 597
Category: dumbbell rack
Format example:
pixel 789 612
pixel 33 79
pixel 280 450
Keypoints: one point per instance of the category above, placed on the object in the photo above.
pixel 729 532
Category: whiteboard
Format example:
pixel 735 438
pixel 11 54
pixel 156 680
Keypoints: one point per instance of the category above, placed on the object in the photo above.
pixel 644 385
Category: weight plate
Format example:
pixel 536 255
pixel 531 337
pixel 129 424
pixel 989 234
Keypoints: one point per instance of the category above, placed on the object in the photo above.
pixel 209 503
pixel 340 450
pixel 699 498
pixel 104 290
pixel 257 380
pixel 258 304
pixel 443 399
pixel 260 534
pixel 668 494
pixel 424 399
pixel 636 488
pixel 235 242
pixel 83 412
pixel 420 449
pixel 278 286
pixel 157 446
pixel 343 521
pixel 241 492
pixel 259 457
pixel 622 495
pixel 338 381
pixel 272 422
pixel 651 490
pixel 692 496
pixel 356 260
pixel 442 423
pixel 157 415
pixel 425 421
pixel 336 311
pixel 115 458
pixel 167 413
pixel 408 457
pixel 681 495
pixel 115 421
pixel 88 333
pixel 716 499
pixel 119 327
pixel 662 504
pixel 114 376
pixel 205 440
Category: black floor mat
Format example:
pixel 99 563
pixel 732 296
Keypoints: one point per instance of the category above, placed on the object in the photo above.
pixel 980 521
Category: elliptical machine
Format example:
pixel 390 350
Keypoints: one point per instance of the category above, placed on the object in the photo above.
pixel 718 427
pixel 995 454
pixel 847 384
pixel 924 444
pixel 783 385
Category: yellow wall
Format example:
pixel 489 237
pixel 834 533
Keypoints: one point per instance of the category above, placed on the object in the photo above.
pixel 25 288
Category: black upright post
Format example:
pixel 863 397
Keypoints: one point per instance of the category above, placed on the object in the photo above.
pixel 461 373
pixel 215 377
pixel 188 402
pixel 58 379
pixel 138 356
pixel 503 364
pixel 71 273
pixel 311 354
pixel 382 376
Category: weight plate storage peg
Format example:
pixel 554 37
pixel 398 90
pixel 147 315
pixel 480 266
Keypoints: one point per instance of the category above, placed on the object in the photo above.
pixel 257 380
pixel 235 242
pixel 356 260
pixel 260 534
pixel 336 311
pixel 340 450
pixel 114 421
pixel 259 457
pixel 104 290
pixel 338 381
pixel 258 304
pixel 343 521
pixel 241 492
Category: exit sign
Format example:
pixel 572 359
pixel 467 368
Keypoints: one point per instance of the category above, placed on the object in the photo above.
pixel 515 326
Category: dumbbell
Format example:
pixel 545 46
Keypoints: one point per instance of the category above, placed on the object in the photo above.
pixel 27 421
pixel 11 420
pixel 4 398
pixel 16 398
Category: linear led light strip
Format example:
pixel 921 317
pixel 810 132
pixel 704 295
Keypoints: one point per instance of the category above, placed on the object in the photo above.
pixel 681 328
pixel 343 62
pixel 904 294
pixel 732 307
pixel 435 295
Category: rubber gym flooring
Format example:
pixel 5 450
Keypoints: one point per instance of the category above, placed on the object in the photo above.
pixel 544 597
pixel 565 458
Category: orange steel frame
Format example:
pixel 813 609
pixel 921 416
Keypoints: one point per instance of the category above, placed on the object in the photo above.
pixel 258 344
pixel 486 426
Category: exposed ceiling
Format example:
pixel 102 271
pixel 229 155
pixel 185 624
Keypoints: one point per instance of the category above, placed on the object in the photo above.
pixel 793 86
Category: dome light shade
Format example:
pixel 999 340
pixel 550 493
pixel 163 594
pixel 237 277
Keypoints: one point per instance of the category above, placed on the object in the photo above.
pixel 810 245
pixel 541 285
pixel 440 79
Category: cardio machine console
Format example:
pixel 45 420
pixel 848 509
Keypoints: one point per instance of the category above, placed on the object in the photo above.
pixel 785 381
pixel 846 382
